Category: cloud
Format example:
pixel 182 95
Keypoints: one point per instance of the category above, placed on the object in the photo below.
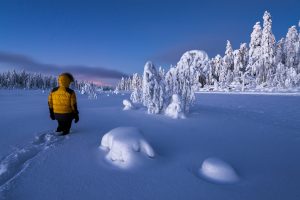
pixel 80 71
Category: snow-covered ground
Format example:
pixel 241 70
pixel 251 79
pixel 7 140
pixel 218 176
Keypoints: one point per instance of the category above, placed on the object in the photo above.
pixel 254 138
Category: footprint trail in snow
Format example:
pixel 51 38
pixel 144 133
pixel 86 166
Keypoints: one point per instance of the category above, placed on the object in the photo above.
pixel 16 162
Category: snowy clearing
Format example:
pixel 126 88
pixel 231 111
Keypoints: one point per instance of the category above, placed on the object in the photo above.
pixel 258 135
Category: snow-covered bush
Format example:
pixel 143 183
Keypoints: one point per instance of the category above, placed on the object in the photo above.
pixel 126 147
pixel 174 109
pixel 127 105
pixel 216 170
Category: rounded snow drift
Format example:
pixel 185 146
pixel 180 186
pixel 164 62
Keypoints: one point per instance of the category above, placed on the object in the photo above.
pixel 127 104
pixel 174 109
pixel 218 171
pixel 126 147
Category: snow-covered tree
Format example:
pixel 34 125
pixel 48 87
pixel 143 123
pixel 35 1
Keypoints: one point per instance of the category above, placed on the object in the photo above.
pixel 218 63
pixel 89 89
pixel 244 51
pixel 171 85
pixel 217 67
pixel 292 79
pixel 267 50
pixel 120 85
pixel 153 89
pixel 280 76
pixel 186 76
pixel 223 75
pixel 255 50
pixel 238 63
pixel 161 73
pixel 229 58
pixel 298 50
pixel 265 64
pixel 279 53
pixel 25 80
pixel 125 84
pixel 136 95
pixel 291 48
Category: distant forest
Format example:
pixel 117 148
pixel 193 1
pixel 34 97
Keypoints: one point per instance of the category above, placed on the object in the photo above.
pixel 27 80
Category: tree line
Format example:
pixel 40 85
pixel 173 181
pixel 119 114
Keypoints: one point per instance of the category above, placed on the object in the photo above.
pixel 263 65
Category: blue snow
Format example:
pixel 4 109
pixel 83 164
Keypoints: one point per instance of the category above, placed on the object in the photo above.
pixel 258 135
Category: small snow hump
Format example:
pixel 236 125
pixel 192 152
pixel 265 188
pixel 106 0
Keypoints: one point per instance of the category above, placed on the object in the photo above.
pixel 218 171
pixel 126 147
pixel 174 109
pixel 127 104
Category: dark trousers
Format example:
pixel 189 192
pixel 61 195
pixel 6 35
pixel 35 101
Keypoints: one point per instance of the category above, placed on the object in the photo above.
pixel 64 122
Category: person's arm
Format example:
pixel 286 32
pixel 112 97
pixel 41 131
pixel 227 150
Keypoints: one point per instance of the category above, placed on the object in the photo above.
pixel 50 105
pixel 74 107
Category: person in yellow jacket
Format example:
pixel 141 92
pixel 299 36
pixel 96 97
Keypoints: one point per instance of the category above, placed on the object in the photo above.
pixel 63 104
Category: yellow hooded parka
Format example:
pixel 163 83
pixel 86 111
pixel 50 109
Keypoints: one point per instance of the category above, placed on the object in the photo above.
pixel 62 99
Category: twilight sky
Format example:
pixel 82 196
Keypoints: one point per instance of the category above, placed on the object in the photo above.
pixel 104 40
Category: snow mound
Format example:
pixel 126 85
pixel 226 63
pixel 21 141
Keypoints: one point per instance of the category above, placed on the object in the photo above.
pixel 174 109
pixel 127 105
pixel 216 170
pixel 126 147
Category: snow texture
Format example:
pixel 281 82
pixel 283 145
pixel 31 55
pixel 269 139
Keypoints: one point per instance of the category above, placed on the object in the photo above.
pixel 16 162
pixel 174 109
pixel 125 145
pixel 218 171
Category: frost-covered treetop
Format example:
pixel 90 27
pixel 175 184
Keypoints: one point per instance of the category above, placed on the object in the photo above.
pixel 193 58
pixel 256 35
pixel 149 68
pixel 292 34
pixel 267 17
pixel 229 49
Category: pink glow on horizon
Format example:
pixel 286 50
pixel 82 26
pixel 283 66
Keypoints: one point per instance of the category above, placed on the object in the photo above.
pixel 95 81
